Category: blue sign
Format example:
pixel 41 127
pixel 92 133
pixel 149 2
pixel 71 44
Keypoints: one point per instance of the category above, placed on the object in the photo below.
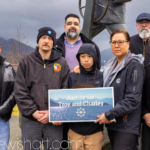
pixel 79 105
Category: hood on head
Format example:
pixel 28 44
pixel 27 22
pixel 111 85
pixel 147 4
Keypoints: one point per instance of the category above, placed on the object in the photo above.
pixel 88 49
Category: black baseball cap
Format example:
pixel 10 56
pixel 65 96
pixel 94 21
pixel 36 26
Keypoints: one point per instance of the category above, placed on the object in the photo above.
pixel 143 16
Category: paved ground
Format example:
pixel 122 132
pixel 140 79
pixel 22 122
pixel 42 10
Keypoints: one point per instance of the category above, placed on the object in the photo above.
pixel 15 135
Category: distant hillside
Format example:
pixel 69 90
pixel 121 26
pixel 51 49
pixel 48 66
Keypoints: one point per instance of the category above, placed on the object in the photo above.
pixel 106 55
pixel 8 45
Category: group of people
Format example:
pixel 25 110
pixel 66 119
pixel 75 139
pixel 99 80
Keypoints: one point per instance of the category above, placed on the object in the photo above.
pixel 73 61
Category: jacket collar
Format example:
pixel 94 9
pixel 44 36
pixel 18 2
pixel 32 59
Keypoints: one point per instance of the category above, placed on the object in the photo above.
pixel 83 38
pixel 111 64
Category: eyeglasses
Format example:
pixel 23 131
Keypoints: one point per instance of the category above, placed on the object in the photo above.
pixel 142 23
pixel 118 42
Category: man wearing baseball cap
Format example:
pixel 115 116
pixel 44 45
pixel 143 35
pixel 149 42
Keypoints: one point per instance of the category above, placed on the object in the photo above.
pixel 38 72
pixel 140 44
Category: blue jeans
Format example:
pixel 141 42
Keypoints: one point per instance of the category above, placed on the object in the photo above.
pixel 4 134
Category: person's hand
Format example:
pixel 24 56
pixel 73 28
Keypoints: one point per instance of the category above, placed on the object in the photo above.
pixel 147 119
pixel 76 69
pixel 45 118
pixel 37 115
pixel 102 119
pixel 57 123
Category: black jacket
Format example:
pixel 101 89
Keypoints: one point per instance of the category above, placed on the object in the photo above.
pixel 35 77
pixel 146 92
pixel 7 78
pixel 128 84
pixel 60 44
pixel 86 128
pixel 137 46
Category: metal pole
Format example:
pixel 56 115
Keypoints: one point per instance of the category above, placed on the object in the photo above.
pixel 88 18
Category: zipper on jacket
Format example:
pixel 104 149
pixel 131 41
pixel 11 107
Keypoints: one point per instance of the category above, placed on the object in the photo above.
pixel 144 47
pixel 44 86
pixel 45 65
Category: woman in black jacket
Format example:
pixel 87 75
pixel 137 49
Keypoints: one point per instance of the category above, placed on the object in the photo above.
pixel 126 74
pixel 86 135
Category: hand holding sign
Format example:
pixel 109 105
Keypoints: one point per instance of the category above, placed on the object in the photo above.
pixel 102 120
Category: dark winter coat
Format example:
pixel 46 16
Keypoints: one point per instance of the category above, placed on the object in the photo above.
pixel 86 128
pixel 128 84
pixel 35 77
pixel 60 44
pixel 7 98
pixel 146 92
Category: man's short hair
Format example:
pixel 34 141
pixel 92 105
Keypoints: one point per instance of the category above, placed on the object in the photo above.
pixel 72 15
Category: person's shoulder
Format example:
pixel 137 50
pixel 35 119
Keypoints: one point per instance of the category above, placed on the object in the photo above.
pixel 6 63
pixel 135 64
pixel 62 59
pixel 134 37
pixel 147 66
pixel 98 72
pixel 73 74
pixel 61 38
pixel 27 58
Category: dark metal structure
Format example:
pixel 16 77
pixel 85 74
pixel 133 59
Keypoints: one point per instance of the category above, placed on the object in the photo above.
pixel 101 14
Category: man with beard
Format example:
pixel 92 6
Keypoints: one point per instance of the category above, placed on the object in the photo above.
pixel 69 43
pixel 43 69
pixel 71 40
pixel 139 44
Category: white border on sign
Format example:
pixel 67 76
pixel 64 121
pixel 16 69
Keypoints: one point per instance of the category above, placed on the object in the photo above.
pixel 102 88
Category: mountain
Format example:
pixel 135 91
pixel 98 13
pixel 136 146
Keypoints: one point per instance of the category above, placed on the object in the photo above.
pixel 10 44
pixel 106 55
pixel 53 104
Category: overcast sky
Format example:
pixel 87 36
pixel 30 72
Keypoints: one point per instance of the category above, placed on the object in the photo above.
pixel 34 14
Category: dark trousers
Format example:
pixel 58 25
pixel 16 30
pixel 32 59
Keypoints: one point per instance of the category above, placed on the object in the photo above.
pixel 145 137
pixel 65 144
pixel 122 141
pixel 36 134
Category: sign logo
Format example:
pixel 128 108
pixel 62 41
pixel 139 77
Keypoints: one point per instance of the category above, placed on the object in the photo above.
pixel 80 112
pixel 118 80
pixel 49 32
pixel 57 67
